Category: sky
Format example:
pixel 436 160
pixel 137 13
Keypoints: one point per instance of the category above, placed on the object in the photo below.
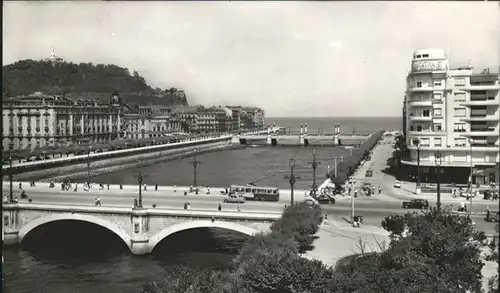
pixel 310 59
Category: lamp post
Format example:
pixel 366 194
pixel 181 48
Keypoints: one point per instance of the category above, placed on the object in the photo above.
pixel 314 165
pixel 11 194
pixel 292 178
pixel 417 143
pixel 471 174
pixel 140 179
pixel 195 164
pixel 438 161
pixel 88 165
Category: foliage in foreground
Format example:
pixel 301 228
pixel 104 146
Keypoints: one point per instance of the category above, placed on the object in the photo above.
pixel 429 252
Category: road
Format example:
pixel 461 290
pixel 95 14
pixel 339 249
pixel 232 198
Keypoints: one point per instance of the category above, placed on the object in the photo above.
pixel 372 209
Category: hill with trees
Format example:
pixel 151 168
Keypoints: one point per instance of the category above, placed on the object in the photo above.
pixel 84 80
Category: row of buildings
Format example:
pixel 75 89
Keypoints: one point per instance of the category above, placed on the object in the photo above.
pixel 451 119
pixel 40 120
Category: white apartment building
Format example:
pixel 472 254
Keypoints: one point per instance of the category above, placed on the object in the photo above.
pixel 454 112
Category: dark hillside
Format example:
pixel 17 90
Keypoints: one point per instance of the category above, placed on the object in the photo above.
pixel 84 80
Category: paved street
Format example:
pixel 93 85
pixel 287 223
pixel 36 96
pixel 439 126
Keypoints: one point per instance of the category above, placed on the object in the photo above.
pixel 373 210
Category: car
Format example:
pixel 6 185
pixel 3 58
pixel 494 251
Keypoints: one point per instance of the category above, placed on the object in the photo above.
pixel 397 184
pixel 369 173
pixel 233 198
pixel 324 199
pixel 416 204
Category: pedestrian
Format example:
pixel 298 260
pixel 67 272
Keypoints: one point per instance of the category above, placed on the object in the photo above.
pixel 379 189
pixel 145 187
pixel 121 186
pixel 219 208
pixel 20 185
pixel 108 186
pixel 488 213
pixel 76 187
pixel 98 201
pixel 5 199
pixel 208 190
pixel 175 187
pixel 156 187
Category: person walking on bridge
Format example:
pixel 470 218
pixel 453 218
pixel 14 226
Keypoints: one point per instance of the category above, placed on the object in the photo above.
pixel 219 208
pixel 98 201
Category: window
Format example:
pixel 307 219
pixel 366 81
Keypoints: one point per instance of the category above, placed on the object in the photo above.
pixel 437 83
pixel 426 113
pixel 425 55
pixel 459 127
pixel 438 112
pixel 419 84
pixel 438 141
pixel 460 141
pixel 419 127
pixel 411 127
pixel 425 142
pixel 459 81
pixel 459 112
pixel 438 127
pixel 459 97
pixel 438 96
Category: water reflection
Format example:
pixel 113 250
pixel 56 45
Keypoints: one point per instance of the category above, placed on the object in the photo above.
pixel 73 256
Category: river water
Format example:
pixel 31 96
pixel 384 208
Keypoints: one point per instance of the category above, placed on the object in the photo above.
pixel 55 259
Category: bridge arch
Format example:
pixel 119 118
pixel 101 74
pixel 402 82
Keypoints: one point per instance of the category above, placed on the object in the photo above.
pixel 75 217
pixel 158 237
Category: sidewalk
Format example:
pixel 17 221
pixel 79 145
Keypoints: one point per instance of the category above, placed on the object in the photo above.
pixel 338 240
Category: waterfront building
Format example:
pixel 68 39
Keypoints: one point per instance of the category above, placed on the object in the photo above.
pixel 40 120
pixel 150 122
pixel 453 111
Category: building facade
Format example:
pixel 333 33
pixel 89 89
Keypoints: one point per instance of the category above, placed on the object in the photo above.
pixel 453 113
pixel 39 120
pixel 150 122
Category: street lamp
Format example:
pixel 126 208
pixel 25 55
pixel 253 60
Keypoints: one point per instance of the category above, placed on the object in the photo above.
pixel 195 164
pixel 438 161
pixel 11 194
pixel 471 174
pixel 88 166
pixel 471 165
pixel 314 164
pixel 140 179
pixel 292 178
pixel 417 143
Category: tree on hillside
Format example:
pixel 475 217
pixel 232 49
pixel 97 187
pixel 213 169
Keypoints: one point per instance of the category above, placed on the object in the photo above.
pixel 29 76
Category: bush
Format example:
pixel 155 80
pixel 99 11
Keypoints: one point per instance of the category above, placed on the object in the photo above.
pixel 299 222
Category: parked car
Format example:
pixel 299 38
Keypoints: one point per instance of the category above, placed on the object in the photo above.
pixel 369 173
pixel 397 184
pixel 416 204
pixel 233 198
pixel 325 199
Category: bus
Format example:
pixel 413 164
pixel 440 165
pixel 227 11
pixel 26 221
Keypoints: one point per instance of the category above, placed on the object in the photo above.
pixel 250 192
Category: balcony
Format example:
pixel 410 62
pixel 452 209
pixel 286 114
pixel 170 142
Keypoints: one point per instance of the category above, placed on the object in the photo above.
pixel 420 89
pixel 495 117
pixel 421 118
pixel 426 133
pixel 490 131
pixel 484 86
pixel 482 102
pixel 426 103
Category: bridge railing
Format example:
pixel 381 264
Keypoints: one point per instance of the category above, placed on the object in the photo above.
pixel 149 211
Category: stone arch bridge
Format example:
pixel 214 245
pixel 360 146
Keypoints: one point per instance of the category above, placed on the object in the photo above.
pixel 140 229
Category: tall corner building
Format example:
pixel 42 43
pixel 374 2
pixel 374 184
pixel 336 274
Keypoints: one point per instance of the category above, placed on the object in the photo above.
pixel 455 112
